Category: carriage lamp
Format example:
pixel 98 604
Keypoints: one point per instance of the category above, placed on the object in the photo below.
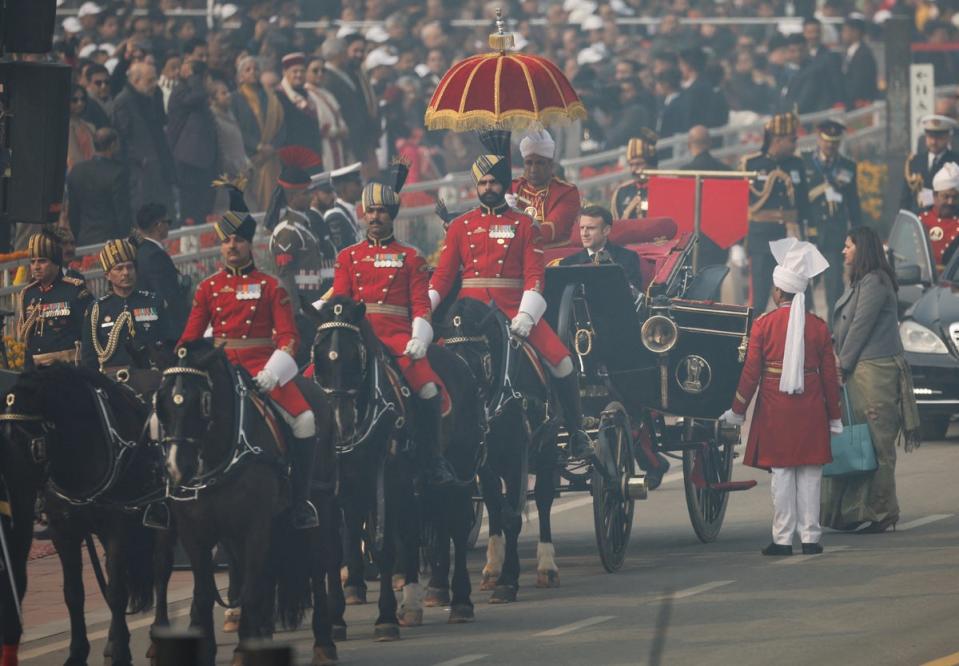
pixel 659 334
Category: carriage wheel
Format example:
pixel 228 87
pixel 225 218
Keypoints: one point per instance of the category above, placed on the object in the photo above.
pixel 709 464
pixel 612 507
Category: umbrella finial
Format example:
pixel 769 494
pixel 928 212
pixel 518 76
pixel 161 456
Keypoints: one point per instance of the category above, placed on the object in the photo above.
pixel 501 40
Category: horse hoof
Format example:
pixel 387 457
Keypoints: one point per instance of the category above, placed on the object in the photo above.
pixel 547 579
pixel 383 633
pixel 411 617
pixel 399 581
pixel 489 582
pixel 436 596
pixel 339 632
pixel 503 594
pixel 355 596
pixel 461 614
pixel 324 655
pixel 231 620
pixel 238 659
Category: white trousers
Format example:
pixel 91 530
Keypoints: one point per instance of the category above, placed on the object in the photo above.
pixel 796 503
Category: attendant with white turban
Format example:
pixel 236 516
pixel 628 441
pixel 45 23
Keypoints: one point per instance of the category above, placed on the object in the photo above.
pixel 942 220
pixel 553 203
pixel 792 366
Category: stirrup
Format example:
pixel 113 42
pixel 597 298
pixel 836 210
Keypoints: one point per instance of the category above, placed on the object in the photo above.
pixel 157 516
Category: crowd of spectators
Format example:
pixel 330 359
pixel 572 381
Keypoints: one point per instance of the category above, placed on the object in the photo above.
pixel 188 100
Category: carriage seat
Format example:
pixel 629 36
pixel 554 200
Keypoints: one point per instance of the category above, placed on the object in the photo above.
pixel 653 239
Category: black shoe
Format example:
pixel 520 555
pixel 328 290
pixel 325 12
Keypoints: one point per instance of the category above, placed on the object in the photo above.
pixel 580 445
pixel 157 516
pixel 304 516
pixel 775 550
pixel 439 472
pixel 811 549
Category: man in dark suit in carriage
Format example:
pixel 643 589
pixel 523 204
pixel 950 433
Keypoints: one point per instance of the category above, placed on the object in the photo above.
pixel 595 223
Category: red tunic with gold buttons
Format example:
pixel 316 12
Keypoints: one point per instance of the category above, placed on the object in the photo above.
pixel 501 255
pixel 555 207
pixel 391 280
pixel 943 235
pixel 251 316
pixel 788 430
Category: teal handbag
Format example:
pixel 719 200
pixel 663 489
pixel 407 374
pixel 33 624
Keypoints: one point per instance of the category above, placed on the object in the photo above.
pixel 852 450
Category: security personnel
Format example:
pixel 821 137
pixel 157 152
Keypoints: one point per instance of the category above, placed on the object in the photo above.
pixel 501 254
pixel 552 202
pixel 778 200
pixel 125 317
pixel 392 279
pixel 341 217
pixel 51 307
pixel 941 222
pixel 297 253
pixel 922 167
pixel 252 319
pixel 630 200
pixel 833 203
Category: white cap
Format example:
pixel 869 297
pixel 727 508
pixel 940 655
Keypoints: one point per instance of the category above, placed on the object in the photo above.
pixel 377 34
pixel 947 178
pixel 225 11
pixel 89 9
pixel 88 50
pixel 592 22
pixel 346 30
pixel 539 143
pixel 71 24
pixel 798 263
pixel 346 170
pixel 589 56
pixel 933 122
pixel 421 70
pixel 582 12
pixel 379 57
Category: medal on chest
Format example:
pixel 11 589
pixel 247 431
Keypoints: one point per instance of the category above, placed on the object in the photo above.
pixel 502 231
pixel 145 314
pixel 388 260
pixel 248 292
pixel 51 310
pixel 936 234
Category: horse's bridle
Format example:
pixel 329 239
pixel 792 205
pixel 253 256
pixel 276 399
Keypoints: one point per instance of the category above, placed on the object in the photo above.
pixel 333 354
pixel 206 398
pixel 38 440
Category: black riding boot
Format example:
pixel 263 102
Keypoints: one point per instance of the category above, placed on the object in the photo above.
pixel 302 454
pixel 567 392
pixel 426 434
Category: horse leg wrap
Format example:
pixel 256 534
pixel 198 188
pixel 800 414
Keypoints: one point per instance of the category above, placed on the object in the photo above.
pixel 411 610
pixel 547 573
pixel 495 555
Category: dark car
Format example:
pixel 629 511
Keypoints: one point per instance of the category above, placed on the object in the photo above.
pixel 929 326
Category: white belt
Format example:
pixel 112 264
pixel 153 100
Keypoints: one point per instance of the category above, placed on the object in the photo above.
pixel 307 280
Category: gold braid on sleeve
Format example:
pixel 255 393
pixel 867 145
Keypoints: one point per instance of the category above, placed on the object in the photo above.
pixel 25 325
pixel 776 175
pixel 913 180
pixel 105 353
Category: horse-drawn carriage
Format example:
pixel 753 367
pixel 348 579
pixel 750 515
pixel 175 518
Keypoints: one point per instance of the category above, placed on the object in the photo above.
pixel 658 364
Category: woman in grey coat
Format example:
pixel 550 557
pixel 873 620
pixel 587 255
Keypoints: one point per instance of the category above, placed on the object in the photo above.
pixel 879 385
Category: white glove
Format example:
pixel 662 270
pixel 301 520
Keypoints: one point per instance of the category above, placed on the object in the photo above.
pixel 510 200
pixel 732 418
pixel 415 349
pixel 265 380
pixel 521 325
pixel 835 426
pixel 435 299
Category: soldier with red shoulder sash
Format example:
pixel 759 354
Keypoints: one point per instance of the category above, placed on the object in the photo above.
pixel 500 252
pixel 631 200
pixel 941 222
pixel 552 202
pixel 51 307
pixel 391 279
pixel 252 320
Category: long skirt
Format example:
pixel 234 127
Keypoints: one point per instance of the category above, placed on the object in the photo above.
pixel 878 396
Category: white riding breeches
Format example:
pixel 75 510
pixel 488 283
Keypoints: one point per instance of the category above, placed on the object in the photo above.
pixel 795 493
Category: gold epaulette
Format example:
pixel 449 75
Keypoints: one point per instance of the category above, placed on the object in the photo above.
pixel 913 180
pixel 76 282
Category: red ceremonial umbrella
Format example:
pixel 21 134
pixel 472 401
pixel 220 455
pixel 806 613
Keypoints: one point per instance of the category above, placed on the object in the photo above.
pixel 503 90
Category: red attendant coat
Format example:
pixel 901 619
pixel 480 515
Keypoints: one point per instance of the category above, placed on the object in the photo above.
pixel 392 280
pixel 251 316
pixel 501 255
pixel 788 430
pixel 555 208
pixel 943 233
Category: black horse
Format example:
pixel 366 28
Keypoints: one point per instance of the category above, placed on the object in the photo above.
pixel 522 423
pixel 373 412
pixel 226 469
pixel 77 435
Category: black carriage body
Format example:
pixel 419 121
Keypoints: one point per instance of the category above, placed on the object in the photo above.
pixel 593 311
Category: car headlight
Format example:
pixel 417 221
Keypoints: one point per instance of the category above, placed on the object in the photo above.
pixel 659 334
pixel 917 338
